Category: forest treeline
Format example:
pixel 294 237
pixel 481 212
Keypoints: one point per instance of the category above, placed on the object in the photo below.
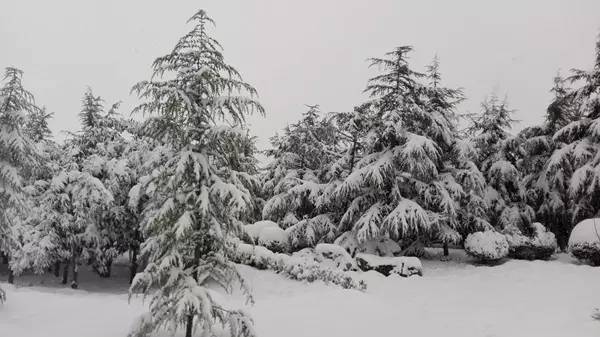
pixel 172 189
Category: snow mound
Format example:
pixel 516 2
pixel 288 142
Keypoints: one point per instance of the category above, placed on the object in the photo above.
pixel 487 246
pixel 268 234
pixel 274 238
pixel 300 266
pixel 401 265
pixel 380 247
pixel 254 229
pixel 584 242
pixel 541 246
pixel 337 255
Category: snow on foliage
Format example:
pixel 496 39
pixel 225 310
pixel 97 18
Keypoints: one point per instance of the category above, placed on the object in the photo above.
pixel 539 246
pixel 488 246
pixel 584 242
pixel 337 254
pixel 300 266
pixel 403 265
pixel 200 196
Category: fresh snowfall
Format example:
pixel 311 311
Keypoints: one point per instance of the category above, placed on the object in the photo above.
pixel 401 217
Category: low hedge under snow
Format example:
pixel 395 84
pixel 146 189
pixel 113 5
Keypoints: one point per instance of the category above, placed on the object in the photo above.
pixel 540 246
pixel 584 242
pixel 488 246
pixel 294 267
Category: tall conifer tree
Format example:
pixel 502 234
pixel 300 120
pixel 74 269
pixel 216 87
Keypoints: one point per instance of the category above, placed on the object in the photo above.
pixel 197 104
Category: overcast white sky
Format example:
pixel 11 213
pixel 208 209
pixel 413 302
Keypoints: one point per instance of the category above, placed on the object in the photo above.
pixel 299 52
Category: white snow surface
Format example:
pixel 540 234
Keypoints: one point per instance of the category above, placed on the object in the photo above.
pixel 586 232
pixel 515 299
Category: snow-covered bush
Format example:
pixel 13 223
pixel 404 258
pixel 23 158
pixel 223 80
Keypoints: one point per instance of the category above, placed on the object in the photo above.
pixel 540 246
pixel 381 247
pixel 274 238
pixel 584 242
pixel 298 267
pixel 348 242
pixel 402 265
pixel 337 256
pixel 488 246
pixel 252 231
pixel 268 234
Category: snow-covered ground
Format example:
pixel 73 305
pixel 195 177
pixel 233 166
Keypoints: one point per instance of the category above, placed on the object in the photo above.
pixel 517 298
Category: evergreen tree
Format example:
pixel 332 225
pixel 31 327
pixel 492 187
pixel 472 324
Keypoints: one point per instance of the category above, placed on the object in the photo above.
pixel 296 181
pixel 573 167
pixel 198 105
pixel 546 191
pixel 499 161
pixel 403 187
pixel 17 158
pixel 37 125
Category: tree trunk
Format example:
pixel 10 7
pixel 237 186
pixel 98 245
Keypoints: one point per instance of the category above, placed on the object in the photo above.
pixel 106 271
pixel 57 269
pixel 133 266
pixel 65 276
pixel 189 325
pixel 446 250
pixel 353 153
pixel 190 319
pixel 74 283
pixel 4 258
pixel 11 276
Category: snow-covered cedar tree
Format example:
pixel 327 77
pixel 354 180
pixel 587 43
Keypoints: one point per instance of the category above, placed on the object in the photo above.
pixel 584 242
pixel 499 155
pixel 197 105
pixel 106 148
pixel 540 246
pixel 547 187
pixel 487 247
pixel 574 166
pixel 404 185
pixel 68 219
pixel 297 182
pixel 18 157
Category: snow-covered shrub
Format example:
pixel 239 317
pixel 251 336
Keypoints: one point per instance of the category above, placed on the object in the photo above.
pixel 268 234
pixel 488 246
pixel 298 267
pixel 402 265
pixel 381 247
pixel 337 255
pixel 584 242
pixel 348 242
pixel 2 296
pixel 252 231
pixel 274 238
pixel 540 246
pixel 327 257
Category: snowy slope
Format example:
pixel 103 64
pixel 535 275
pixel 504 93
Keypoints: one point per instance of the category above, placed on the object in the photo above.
pixel 517 298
